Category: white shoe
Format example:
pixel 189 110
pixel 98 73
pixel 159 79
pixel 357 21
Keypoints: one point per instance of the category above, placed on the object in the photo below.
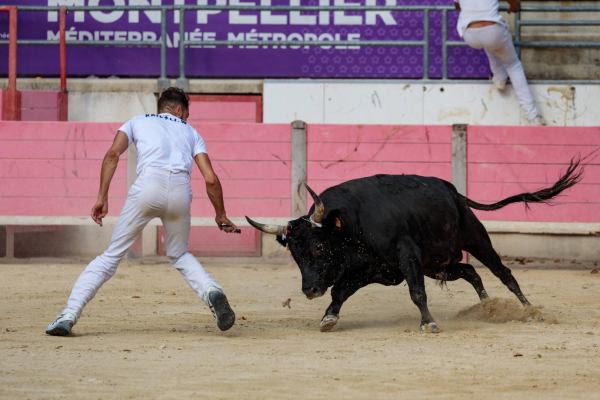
pixel 537 121
pixel 219 307
pixel 63 325
pixel 500 85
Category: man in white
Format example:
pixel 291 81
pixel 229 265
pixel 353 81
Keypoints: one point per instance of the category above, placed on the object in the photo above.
pixel 167 146
pixel 481 25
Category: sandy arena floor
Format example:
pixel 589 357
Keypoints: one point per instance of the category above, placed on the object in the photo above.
pixel 165 344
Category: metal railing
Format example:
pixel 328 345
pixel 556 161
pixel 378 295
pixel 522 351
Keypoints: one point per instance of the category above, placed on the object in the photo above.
pixel 182 80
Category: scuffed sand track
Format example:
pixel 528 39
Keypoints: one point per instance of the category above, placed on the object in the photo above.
pixel 166 346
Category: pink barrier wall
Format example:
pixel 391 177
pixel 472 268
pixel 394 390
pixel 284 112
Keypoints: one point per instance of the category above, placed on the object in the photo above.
pixel 337 153
pixel 504 161
pixel 253 162
pixel 53 168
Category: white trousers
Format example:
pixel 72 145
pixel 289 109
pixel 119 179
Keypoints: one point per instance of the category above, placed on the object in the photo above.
pixel 504 63
pixel 156 193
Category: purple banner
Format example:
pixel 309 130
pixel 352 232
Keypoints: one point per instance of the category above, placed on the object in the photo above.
pixel 256 61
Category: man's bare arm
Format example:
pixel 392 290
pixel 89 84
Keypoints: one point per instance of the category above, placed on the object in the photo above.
pixel 457 5
pixel 514 6
pixel 213 189
pixel 109 166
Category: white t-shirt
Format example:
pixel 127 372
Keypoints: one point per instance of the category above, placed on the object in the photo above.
pixel 477 10
pixel 164 141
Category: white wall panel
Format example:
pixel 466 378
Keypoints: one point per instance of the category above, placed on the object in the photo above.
pixel 287 102
pixel 474 104
pixel 379 103
pixel 431 104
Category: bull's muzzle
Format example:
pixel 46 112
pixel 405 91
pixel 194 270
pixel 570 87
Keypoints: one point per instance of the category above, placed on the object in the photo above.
pixel 313 293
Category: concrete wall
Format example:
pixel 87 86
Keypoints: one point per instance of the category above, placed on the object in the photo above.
pixel 404 102
pixel 559 63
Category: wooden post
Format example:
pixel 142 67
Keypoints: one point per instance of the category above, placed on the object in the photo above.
pixel 459 158
pixel 298 169
pixel 459 164
pixel 63 95
pixel 134 253
pixel 10 241
pixel 11 98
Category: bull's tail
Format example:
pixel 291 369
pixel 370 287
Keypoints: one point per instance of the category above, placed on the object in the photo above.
pixel 573 175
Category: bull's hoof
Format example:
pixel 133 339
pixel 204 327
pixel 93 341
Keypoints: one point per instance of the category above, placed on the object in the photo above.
pixel 430 328
pixel 328 322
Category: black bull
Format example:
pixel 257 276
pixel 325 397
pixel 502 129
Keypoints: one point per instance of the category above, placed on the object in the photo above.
pixel 390 228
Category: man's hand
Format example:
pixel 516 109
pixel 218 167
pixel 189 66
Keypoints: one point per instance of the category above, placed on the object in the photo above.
pixel 99 211
pixel 514 6
pixel 220 220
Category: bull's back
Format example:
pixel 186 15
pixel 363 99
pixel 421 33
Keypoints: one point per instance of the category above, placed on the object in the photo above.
pixel 423 209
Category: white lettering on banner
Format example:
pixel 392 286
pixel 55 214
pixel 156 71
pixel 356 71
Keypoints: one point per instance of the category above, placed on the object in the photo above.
pixel 71 34
pixel 53 15
pixel 236 18
pixel 120 35
pixel 52 36
pixel 323 15
pixel 340 17
pixel 308 37
pixel 153 16
pixel 266 18
pixel 133 36
pixel 85 35
pixel 326 36
pixel 148 36
pixel 295 36
pixel 354 37
pixel 252 36
pixel 198 36
pixel 233 36
pixel 265 36
pixel 106 35
pixel 202 16
pixel 280 37
pixel 210 37
pixel 106 18
pixel 298 19
pixel 386 16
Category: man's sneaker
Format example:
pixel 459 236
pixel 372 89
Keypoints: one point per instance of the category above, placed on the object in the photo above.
pixel 500 85
pixel 217 302
pixel 538 121
pixel 63 325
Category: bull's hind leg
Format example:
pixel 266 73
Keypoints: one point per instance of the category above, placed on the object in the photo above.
pixel 409 257
pixel 480 246
pixel 466 272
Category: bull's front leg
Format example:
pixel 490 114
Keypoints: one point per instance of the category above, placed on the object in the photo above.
pixel 409 257
pixel 340 292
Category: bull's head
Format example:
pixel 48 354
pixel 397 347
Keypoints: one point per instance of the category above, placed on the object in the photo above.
pixel 317 245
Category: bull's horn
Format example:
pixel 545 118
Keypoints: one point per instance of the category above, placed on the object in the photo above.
pixel 317 216
pixel 272 229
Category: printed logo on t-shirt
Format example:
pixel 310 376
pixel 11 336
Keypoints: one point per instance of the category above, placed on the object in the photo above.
pixel 167 118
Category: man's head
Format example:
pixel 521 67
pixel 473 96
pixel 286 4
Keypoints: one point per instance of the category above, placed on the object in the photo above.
pixel 174 101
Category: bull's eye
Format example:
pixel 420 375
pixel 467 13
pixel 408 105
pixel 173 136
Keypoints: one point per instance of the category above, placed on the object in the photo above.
pixel 316 250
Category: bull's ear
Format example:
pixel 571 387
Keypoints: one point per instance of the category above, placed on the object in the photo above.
pixel 334 219
pixel 281 241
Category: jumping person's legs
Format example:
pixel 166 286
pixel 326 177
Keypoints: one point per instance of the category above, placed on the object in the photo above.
pixel 146 200
pixel 177 221
pixel 497 41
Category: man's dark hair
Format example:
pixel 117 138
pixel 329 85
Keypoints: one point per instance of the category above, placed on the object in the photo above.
pixel 172 97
